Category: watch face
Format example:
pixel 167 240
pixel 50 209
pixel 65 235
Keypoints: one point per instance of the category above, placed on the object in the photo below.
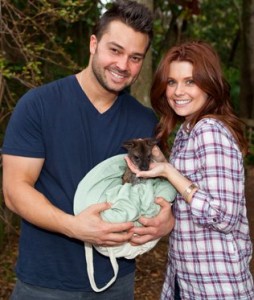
pixel 188 190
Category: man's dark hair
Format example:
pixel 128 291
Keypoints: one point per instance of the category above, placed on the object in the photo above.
pixel 131 13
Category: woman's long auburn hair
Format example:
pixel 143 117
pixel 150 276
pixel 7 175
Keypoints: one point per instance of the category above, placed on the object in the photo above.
pixel 208 76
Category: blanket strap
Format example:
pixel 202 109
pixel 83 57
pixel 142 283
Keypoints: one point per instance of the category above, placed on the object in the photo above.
pixel 90 268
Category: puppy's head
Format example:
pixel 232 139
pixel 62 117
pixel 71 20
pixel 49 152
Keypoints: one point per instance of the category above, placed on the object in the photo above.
pixel 140 152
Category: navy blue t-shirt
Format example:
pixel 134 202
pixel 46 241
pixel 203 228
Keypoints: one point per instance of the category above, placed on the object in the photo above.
pixel 57 122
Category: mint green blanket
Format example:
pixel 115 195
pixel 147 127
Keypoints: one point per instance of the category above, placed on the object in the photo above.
pixel 129 202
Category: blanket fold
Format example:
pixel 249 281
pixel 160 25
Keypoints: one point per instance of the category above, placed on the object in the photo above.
pixel 128 203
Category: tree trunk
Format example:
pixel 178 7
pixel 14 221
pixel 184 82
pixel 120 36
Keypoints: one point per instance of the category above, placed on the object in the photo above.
pixel 247 67
pixel 141 88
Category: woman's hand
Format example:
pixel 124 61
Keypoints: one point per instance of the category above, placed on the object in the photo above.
pixel 157 155
pixel 156 169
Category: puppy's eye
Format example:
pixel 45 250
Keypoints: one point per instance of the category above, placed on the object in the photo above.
pixel 137 158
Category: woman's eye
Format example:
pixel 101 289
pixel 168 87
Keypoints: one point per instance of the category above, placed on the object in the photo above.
pixel 171 82
pixel 190 81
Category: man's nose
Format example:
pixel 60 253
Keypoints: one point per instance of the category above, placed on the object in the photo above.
pixel 122 62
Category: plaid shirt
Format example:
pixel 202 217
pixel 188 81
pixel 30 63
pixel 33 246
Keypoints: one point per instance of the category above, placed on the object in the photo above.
pixel 210 247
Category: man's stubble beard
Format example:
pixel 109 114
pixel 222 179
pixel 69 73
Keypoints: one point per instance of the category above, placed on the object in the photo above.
pixel 102 80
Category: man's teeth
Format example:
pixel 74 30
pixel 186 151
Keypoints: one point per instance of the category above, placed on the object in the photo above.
pixel 117 75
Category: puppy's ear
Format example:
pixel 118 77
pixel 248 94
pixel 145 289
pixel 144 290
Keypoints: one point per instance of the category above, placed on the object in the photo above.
pixel 129 144
pixel 151 141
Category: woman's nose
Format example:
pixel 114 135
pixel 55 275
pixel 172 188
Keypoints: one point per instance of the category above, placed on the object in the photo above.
pixel 179 90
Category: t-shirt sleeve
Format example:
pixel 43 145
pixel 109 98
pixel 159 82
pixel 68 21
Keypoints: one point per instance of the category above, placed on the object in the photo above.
pixel 23 136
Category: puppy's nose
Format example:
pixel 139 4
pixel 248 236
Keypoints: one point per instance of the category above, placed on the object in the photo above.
pixel 144 167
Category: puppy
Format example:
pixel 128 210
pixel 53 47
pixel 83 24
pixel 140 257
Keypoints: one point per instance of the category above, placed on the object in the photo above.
pixel 140 153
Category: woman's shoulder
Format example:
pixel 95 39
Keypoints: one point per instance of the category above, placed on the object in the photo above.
pixel 210 124
pixel 212 130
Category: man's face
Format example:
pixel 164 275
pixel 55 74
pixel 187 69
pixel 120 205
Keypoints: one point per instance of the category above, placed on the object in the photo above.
pixel 116 59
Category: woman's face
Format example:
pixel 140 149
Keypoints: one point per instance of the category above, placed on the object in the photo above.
pixel 183 95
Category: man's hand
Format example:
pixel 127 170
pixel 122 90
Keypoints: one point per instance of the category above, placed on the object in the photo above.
pixel 88 226
pixel 156 227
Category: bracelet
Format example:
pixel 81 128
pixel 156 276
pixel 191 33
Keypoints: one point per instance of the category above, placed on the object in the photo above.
pixel 188 190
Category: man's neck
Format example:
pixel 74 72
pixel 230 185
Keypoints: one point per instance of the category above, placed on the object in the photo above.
pixel 101 99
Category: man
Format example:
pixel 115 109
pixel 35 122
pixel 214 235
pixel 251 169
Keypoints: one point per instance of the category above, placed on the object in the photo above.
pixel 57 133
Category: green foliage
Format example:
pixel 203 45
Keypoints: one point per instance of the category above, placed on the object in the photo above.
pixel 167 17
pixel 232 74
pixel 249 159
pixel 42 35
pixel 219 23
pixel 41 40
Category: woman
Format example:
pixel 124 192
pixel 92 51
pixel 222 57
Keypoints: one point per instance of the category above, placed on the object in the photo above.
pixel 210 246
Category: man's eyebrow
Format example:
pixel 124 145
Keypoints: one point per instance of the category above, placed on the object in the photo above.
pixel 142 55
pixel 115 45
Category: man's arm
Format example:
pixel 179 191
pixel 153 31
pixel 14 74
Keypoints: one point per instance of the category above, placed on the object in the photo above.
pixel 19 177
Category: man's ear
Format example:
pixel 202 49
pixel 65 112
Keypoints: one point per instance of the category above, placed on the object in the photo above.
pixel 93 44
